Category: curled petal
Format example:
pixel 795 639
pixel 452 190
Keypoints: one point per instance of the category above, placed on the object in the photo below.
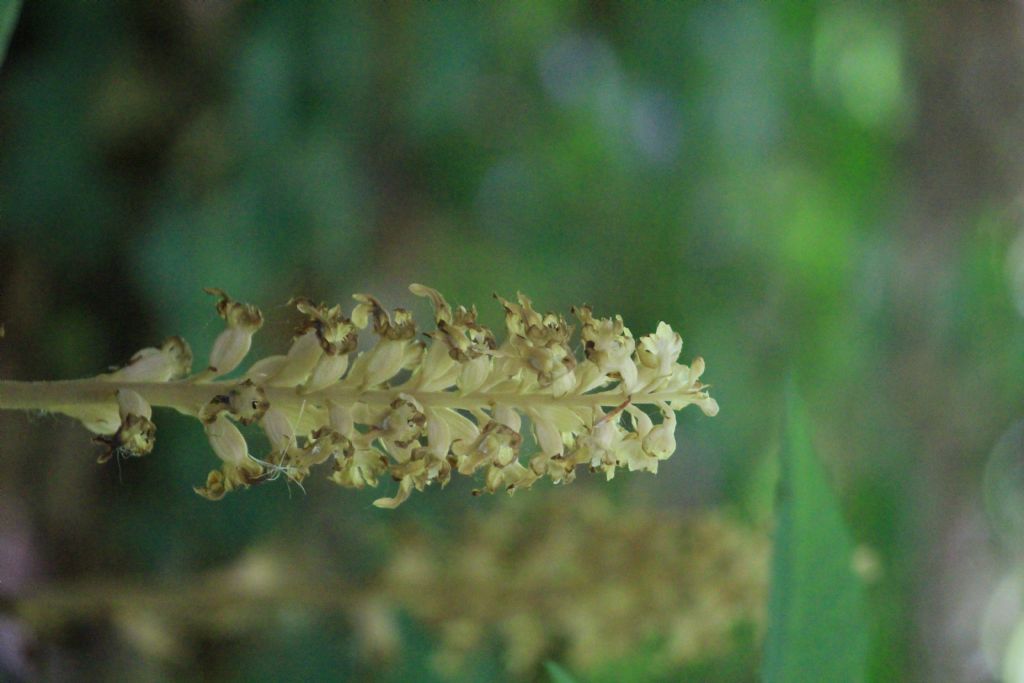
pixel 400 328
pixel 236 314
pixel 230 477
pixel 442 310
pixel 336 333
pixel 215 489
pixel 404 489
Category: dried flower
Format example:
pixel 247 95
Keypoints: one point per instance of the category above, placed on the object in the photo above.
pixel 136 434
pixel 238 470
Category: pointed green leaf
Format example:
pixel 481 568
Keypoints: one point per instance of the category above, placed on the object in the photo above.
pixel 817 629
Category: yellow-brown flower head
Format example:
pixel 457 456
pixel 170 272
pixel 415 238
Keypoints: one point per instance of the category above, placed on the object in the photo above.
pixel 418 410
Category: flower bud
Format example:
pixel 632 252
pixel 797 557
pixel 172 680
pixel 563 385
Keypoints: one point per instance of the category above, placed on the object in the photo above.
pixel 279 430
pixel 302 357
pixel 227 442
pixel 328 370
pixel 172 360
pixel 263 370
pixel 383 361
pixel 473 374
pixel 131 403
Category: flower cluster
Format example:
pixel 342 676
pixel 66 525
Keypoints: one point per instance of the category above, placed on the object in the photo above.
pixel 415 408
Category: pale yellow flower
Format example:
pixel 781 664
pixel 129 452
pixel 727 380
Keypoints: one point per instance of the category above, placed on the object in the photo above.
pixel 413 408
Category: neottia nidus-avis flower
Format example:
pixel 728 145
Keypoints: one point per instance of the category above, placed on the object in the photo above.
pixel 411 408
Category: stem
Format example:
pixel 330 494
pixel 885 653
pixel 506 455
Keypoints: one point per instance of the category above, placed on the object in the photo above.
pixel 188 397
pixel 194 601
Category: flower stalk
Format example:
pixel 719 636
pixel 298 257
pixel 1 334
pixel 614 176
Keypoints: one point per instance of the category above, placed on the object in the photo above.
pixel 412 409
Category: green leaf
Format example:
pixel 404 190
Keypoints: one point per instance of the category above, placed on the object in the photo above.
pixel 817 630
pixel 9 10
pixel 558 674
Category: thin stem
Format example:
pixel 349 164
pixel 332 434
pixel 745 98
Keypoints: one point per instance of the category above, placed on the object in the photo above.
pixel 193 601
pixel 188 396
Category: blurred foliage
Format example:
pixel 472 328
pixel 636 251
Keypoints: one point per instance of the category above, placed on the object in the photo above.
pixel 9 10
pixel 827 188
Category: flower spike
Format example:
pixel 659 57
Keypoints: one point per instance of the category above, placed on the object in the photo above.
pixel 412 409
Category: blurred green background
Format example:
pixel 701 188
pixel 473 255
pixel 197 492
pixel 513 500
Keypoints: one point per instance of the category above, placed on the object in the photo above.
pixel 829 190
